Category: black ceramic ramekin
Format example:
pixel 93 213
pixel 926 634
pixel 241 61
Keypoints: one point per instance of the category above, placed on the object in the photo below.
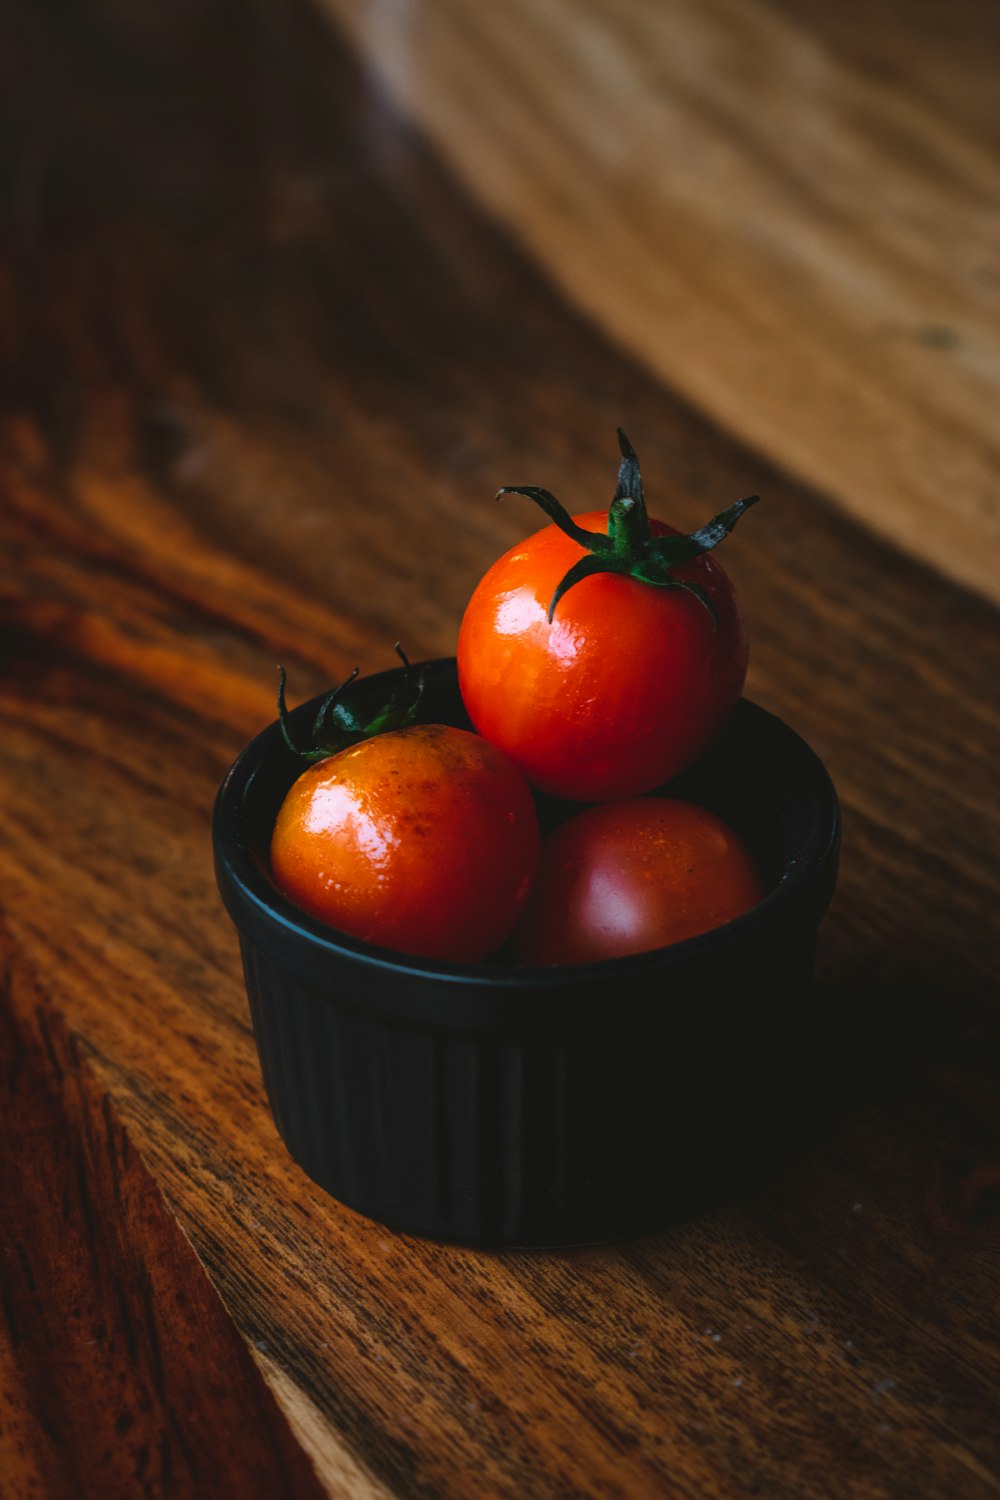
pixel 496 1105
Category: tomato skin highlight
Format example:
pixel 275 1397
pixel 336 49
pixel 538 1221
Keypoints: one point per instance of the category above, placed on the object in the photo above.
pixel 621 691
pixel 632 876
pixel 423 840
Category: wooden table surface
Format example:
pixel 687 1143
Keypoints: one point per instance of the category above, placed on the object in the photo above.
pixel 286 291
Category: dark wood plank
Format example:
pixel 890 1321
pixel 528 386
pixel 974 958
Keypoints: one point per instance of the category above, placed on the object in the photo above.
pixel 267 368
pixel 120 1372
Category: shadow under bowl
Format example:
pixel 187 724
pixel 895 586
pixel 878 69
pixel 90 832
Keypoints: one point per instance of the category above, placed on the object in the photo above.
pixel 494 1105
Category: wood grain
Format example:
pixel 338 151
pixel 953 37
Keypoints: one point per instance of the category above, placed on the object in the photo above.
pixel 263 380
pixel 120 1373
pixel 792 219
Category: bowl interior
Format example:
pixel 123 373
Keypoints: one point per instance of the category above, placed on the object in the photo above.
pixel 759 776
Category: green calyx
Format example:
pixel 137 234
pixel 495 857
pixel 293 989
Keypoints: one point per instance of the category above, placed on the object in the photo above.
pixel 337 725
pixel 629 547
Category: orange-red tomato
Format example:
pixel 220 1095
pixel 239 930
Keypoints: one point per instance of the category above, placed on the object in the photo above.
pixel 622 689
pixel 423 840
pixel 625 877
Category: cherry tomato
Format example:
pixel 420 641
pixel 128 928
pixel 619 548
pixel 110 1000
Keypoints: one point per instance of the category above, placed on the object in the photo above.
pixel 625 877
pixel 423 839
pixel 595 681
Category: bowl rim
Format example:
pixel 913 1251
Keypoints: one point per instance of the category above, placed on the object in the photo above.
pixel 244 884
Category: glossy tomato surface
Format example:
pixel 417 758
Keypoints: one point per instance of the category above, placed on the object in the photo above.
pixel 626 877
pixel 621 691
pixel 423 840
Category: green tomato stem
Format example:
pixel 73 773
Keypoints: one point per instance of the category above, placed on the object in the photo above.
pixel 629 547
pixel 337 725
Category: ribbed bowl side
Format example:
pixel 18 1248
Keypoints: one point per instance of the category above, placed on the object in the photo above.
pixel 546 1138
pixel 447 1135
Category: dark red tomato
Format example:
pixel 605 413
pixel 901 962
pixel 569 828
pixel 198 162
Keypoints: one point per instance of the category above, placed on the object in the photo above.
pixel 423 840
pixel 623 688
pixel 626 877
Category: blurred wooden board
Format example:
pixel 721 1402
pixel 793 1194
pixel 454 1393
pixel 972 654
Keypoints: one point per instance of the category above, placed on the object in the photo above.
pixel 262 381
pixel 789 213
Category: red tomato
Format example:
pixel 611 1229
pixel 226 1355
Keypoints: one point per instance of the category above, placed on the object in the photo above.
pixel 423 839
pixel 626 877
pixel 624 687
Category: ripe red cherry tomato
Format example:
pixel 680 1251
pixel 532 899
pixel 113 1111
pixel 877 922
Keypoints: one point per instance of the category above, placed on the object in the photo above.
pixel 423 840
pixel 624 682
pixel 625 877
